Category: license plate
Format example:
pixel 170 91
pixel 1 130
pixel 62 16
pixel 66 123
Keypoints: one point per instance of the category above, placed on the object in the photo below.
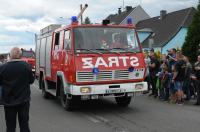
pixel 108 91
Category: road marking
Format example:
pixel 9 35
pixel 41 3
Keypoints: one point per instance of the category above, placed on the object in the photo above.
pixel 96 118
pixel 101 118
pixel 92 119
pixel 35 85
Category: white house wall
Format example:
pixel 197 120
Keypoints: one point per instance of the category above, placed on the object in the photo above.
pixel 137 14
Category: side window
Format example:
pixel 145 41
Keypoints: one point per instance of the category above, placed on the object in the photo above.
pixel 67 40
pixel 132 40
pixel 57 36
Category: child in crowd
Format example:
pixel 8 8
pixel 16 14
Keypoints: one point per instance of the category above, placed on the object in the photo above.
pixel 165 81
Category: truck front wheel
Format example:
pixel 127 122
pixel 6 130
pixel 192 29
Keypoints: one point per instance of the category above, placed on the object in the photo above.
pixel 123 101
pixel 67 104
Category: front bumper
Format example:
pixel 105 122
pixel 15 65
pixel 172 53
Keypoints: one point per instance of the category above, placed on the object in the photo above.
pixel 107 88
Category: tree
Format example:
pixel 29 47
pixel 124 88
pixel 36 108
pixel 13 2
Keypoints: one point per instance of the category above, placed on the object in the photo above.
pixel 192 41
pixel 87 20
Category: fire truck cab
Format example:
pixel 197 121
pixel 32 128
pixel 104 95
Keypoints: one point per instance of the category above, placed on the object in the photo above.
pixel 81 62
pixel 29 57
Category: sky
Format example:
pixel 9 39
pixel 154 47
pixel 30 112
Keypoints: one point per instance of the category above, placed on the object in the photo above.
pixel 21 19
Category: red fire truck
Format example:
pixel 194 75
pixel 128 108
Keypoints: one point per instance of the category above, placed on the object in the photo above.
pixel 81 62
pixel 29 57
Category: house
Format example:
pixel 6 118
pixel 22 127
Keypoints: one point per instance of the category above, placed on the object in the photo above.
pixel 165 31
pixel 137 13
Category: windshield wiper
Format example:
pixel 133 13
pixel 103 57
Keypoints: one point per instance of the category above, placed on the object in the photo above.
pixel 113 51
pixel 130 50
pixel 117 48
pixel 125 49
pixel 91 50
pixel 109 50
pixel 103 49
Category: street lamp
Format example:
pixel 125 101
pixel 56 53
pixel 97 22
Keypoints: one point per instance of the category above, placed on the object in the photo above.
pixel 35 35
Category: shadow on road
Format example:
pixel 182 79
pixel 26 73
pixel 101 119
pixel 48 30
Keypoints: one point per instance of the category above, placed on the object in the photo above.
pixel 100 105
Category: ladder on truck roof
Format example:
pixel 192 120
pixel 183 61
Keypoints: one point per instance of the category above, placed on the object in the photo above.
pixel 49 29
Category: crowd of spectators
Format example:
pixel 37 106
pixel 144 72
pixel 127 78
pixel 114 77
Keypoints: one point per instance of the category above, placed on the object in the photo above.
pixel 172 77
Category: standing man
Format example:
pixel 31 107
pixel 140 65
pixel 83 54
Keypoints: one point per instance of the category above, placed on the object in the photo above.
pixel 153 70
pixel 197 79
pixel 172 59
pixel 179 77
pixel 16 77
pixel 187 80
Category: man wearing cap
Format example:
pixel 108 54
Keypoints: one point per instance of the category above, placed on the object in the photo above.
pixel 172 58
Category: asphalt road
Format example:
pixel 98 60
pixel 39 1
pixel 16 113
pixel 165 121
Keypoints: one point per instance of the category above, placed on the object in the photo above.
pixel 145 114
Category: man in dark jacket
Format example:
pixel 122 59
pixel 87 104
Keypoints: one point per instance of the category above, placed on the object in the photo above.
pixel 15 78
pixel 197 79
pixel 153 70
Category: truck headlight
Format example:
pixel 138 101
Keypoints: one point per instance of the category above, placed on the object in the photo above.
pixel 139 86
pixel 85 90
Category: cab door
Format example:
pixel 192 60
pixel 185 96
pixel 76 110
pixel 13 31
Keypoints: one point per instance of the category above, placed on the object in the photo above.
pixel 57 53
pixel 68 66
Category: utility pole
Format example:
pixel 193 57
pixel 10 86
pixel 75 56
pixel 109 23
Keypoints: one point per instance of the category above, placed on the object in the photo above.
pixel 123 6
pixel 81 12
pixel 81 7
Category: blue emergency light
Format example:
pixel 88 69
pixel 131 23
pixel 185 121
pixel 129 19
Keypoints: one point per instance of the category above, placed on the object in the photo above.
pixel 95 71
pixel 74 19
pixel 131 69
pixel 129 21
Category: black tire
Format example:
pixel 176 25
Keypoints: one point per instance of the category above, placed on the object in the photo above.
pixel 123 101
pixel 45 94
pixel 67 104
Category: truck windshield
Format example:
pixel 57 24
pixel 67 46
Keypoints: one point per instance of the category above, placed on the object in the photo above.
pixel 109 39
pixel 28 54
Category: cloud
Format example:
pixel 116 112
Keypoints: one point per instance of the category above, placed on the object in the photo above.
pixel 8 39
pixel 21 8
pixel 13 24
pixel 17 17
pixel 6 49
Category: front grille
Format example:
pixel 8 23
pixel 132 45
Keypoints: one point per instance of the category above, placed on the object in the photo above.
pixel 88 76
pixel 103 76
pixel 85 76
pixel 121 74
